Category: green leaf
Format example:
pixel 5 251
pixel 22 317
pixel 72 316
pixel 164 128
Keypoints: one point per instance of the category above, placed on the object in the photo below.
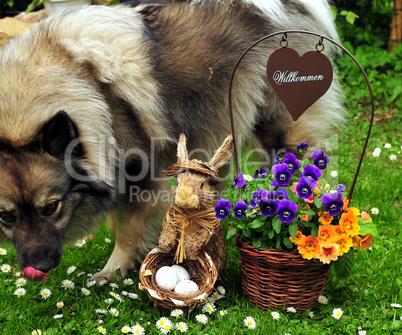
pixel 257 243
pixel 351 17
pixel 314 231
pixel 317 202
pixel 278 243
pixel 344 264
pixel 293 228
pixel 256 224
pixel 309 212
pixel 271 234
pixel 367 227
pixel 231 232
pixel 277 225
pixel 288 243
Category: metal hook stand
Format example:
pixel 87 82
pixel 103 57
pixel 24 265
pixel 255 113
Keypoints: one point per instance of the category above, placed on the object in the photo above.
pixel 319 47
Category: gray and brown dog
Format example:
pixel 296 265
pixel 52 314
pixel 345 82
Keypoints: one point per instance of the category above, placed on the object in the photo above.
pixel 91 101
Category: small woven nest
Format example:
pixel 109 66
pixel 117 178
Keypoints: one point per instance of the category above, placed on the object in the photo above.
pixel 202 271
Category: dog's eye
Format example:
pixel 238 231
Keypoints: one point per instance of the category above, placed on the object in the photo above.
pixel 201 186
pixel 6 216
pixel 51 207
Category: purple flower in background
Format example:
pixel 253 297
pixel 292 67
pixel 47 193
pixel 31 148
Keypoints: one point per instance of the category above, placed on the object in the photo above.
pixel 222 209
pixel 238 181
pixel 302 147
pixel 333 203
pixel 274 184
pixel 281 194
pixel 277 160
pixel 312 172
pixel 260 173
pixel 287 211
pixel 268 207
pixel 257 196
pixel 305 187
pixel 240 209
pixel 341 188
pixel 282 174
pixel 292 162
pixel 320 160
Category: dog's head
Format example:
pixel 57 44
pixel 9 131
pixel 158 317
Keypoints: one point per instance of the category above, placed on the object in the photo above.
pixel 41 203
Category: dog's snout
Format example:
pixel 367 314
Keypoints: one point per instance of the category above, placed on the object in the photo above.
pixel 44 266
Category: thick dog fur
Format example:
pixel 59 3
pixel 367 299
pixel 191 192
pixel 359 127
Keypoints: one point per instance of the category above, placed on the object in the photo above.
pixel 92 102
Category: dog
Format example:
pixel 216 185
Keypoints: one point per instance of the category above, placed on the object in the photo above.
pixel 92 102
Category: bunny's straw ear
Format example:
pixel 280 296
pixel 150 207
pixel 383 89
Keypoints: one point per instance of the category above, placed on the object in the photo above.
pixel 182 155
pixel 223 154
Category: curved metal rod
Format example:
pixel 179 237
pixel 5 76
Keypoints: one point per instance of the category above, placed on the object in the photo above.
pixel 322 37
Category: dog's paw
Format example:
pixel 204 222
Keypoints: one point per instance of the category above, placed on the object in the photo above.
pixel 106 276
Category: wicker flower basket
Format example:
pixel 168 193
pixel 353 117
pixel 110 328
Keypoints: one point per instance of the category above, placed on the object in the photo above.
pixel 274 278
pixel 202 271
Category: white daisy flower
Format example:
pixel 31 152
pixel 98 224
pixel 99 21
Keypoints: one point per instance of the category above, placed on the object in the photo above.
pixel 115 295
pixel 247 177
pixel 102 282
pixel 3 251
pixel 216 296
pixel 377 150
pixel 392 157
pixel 80 243
pixel 275 315
pixel 114 285
pixel 126 330
pixel 181 327
pixel 109 301
pixel 67 284
pixel 19 292
pixel 167 327
pixel 211 299
pixel 323 300
pixel 101 330
pixel 362 332
pixel 334 174
pixel 376 153
pixel 20 282
pixel 107 240
pixel 45 293
pixel 176 313
pixel 375 211
pixel 37 332
pixel 91 283
pixel 128 281
pixel 5 268
pixel 60 304
pixel 18 274
pixel 137 329
pixel 132 295
pixel 85 291
pixel 396 305
pixel 114 312
pixel 291 309
pixel 337 313
pixel 161 322
pixel 221 290
pixel 311 314
pixel 101 311
pixel 208 308
pixel 57 316
pixel 387 145
pixel 201 318
pixel 249 322
pixel 71 269
pixel 223 312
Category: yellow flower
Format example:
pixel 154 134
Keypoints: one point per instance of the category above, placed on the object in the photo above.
pixel 326 234
pixel 325 218
pixel 328 254
pixel 309 247
pixel 344 242
pixel 296 239
pixel 349 223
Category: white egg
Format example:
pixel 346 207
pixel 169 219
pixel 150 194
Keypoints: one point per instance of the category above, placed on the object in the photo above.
pixel 182 273
pixel 166 278
pixel 186 288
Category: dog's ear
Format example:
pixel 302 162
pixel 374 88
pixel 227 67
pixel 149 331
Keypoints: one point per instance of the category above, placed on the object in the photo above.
pixel 223 154
pixel 58 133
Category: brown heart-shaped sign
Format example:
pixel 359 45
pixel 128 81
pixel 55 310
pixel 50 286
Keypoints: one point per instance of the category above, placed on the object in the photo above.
pixel 299 81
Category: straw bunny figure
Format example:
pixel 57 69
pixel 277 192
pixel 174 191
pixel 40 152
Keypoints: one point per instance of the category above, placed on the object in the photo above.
pixel 190 224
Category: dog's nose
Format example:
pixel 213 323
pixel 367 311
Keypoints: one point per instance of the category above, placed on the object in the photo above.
pixel 43 266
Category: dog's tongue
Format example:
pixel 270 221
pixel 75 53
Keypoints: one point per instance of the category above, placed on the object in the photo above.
pixel 34 275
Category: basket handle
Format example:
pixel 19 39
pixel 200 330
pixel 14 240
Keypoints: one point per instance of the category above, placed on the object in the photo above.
pixel 284 32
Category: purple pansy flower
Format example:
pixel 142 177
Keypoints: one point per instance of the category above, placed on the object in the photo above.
pixel 341 188
pixel 274 184
pixel 257 196
pixel 320 160
pixel 240 209
pixel 278 160
pixel 302 147
pixel 268 207
pixel 312 172
pixel 287 211
pixel 282 174
pixel 305 187
pixel 333 203
pixel 292 162
pixel 222 209
pixel 281 194
pixel 238 181
pixel 260 173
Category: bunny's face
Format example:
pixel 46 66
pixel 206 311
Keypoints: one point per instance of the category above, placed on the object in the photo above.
pixel 193 191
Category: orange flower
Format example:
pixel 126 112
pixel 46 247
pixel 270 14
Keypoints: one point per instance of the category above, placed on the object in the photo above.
pixel 325 218
pixel 296 239
pixel 346 202
pixel 366 217
pixel 338 230
pixel 293 187
pixel 328 254
pixel 309 247
pixel 326 234
pixel 356 241
pixel 304 217
pixel 349 223
pixel 366 241
pixel 344 242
